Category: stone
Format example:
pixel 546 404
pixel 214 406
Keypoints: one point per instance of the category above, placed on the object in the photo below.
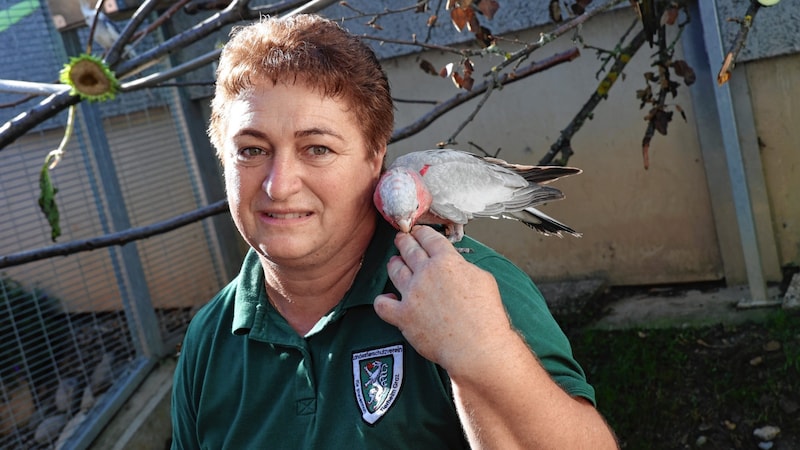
pixel 791 299
pixel 767 433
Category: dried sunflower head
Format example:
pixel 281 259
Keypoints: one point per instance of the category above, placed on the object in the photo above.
pixel 90 78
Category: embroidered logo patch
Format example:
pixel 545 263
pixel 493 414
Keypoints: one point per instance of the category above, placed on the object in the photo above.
pixel 377 377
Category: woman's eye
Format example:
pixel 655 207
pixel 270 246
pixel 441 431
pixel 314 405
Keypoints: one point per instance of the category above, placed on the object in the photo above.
pixel 250 152
pixel 318 150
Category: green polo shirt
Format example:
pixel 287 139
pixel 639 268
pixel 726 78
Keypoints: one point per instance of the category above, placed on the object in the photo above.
pixel 246 380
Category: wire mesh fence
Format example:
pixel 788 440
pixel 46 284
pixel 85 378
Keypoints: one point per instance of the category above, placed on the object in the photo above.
pixel 78 332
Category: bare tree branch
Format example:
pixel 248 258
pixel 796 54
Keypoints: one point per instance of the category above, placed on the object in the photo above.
pixel 120 238
pixel 141 13
pixel 549 37
pixel 738 43
pixel 563 145
pixel 462 97
pixel 30 87
pixel 452 139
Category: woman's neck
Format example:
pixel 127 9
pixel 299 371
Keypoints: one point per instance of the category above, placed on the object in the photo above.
pixel 303 295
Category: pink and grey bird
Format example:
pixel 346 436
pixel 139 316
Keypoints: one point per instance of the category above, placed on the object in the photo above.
pixel 452 187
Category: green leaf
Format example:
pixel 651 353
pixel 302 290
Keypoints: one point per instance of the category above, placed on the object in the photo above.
pixel 47 199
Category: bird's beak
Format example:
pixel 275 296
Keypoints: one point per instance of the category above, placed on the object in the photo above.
pixel 404 225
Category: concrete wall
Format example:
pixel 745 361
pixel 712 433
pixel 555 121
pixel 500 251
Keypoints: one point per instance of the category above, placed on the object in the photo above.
pixel 775 94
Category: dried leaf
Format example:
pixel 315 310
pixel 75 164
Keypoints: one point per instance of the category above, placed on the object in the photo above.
pixel 457 79
pixel 447 70
pixel 488 8
pixel 473 25
pixel 467 82
pixel 485 37
pixel 432 20
pixel 421 7
pixel 428 67
pixel 468 67
pixel 685 71
pixel 680 110
pixel 579 7
pixel 451 4
pixel 555 11
pixel 673 88
pixel 644 94
pixel 462 17
pixel 662 120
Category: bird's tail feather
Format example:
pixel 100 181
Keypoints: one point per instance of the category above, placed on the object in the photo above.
pixel 541 222
pixel 536 174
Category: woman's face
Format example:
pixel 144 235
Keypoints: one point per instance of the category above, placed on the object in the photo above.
pixel 298 174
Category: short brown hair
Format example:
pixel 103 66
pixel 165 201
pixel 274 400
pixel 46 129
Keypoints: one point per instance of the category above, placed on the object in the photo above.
pixel 315 51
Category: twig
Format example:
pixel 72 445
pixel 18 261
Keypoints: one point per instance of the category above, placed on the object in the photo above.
pixel 114 53
pixel 563 145
pixel 97 9
pixel 408 100
pixel 156 78
pixel 119 238
pixel 452 139
pixel 738 43
pixel 464 96
pixel 465 52
pixel 549 37
pixel 163 18
pixel 658 110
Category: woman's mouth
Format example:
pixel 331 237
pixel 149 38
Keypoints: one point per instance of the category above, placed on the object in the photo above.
pixel 293 215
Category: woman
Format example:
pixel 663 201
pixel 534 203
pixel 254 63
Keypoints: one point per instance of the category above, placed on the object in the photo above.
pixel 339 332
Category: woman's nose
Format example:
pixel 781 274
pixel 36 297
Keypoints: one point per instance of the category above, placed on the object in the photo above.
pixel 283 178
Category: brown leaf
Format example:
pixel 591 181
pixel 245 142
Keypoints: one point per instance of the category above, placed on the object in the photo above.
pixel 432 20
pixel 462 17
pixel 685 71
pixel 485 37
pixel 473 24
pixel 555 11
pixel 467 82
pixel 468 67
pixel 457 79
pixel 680 110
pixel 451 4
pixel 661 120
pixel 447 70
pixel 421 7
pixel 428 67
pixel 488 8
pixel 579 7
